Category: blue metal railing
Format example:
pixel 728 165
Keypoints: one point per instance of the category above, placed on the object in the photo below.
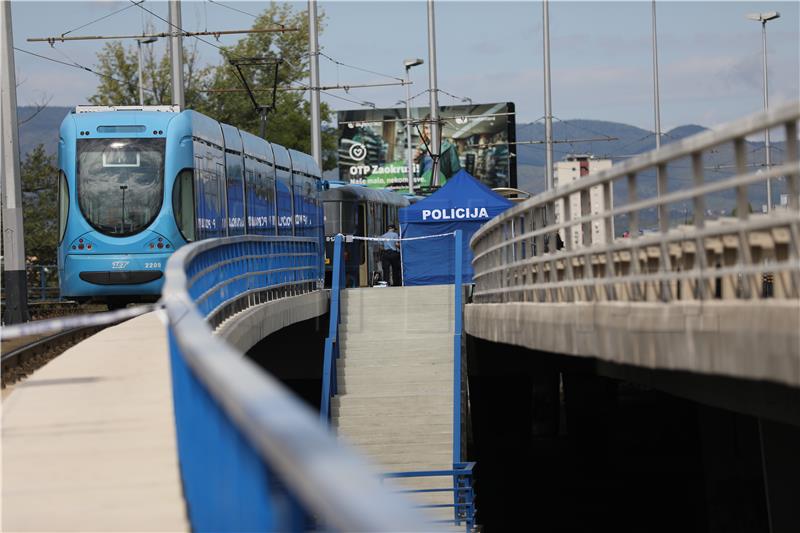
pixel 463 505
pixel 329 377
pixel 457 365
pixel 253 457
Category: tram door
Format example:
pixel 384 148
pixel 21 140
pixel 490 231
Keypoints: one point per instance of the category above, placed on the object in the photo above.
pixel 363 267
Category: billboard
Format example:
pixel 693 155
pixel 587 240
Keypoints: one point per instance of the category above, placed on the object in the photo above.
pixel 478 138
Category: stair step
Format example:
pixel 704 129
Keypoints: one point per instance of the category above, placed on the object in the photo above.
pixel 385 461
pixel 404 374
pixel 391 389
pixel 415 426
pixel 410 401
pixel 383 358
pixel 368 434
pixel 390 364
pixel 383 449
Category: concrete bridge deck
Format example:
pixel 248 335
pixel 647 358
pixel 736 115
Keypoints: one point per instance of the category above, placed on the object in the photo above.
pixel 754 340
pixel 88 440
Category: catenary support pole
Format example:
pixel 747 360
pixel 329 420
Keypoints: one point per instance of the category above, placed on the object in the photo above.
pixel 16 308
pixel 141 80
pixel 548 108
pixel 768 160
pixel 435 126
pixel 176 51
pixel 409 150
pixel 656 97
pixel 316 122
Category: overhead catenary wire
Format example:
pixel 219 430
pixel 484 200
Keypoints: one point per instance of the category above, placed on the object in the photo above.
pixel 80 67
pixel 222 49
pixel 102 18
pixel 337 62
pixel 346 87
pixel 461 98
pixel 220 4
pixel 362 103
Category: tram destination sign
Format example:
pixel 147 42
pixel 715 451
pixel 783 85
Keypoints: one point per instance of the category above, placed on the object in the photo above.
pixel 478 138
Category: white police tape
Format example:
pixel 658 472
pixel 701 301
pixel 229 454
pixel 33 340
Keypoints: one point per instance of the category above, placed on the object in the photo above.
pixel 350 238
pixel 55 325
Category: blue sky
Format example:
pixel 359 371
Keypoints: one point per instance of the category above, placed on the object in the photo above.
pixel 709 54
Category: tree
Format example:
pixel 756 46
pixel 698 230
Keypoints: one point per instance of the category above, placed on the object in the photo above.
pixel 40 206
pixel 288 124
pixel 119 81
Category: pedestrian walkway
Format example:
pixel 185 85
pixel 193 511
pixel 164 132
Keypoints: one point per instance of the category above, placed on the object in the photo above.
pixel 89 439
pixel 395 382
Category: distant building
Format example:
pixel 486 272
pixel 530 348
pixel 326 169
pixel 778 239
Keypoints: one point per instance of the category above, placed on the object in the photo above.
pixel 575 167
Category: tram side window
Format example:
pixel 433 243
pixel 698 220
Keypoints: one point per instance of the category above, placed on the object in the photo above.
pixel 63 205
pixel 183 203
pixel 333 224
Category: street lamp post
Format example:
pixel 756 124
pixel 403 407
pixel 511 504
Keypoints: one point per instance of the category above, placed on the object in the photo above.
pixel 408 63
pixel 139 43
pixel 763 18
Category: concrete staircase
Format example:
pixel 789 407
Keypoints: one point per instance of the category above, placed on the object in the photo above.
pixel 395 378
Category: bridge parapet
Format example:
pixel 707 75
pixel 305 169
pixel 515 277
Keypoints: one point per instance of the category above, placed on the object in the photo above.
pixel 710 295
pixel 252 456
pixel 518 256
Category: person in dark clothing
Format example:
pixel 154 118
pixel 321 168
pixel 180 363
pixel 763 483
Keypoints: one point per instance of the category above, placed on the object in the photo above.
pixel 391 256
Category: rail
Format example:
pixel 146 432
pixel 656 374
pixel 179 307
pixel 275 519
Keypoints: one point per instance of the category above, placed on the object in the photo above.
pixel 252 456
pixel 519 257
pixel 463 505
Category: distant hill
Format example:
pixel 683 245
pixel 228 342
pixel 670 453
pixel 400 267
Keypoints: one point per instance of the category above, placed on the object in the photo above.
pixel 631 141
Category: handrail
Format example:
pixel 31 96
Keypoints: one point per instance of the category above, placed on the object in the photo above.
pixel 329 377
pixel 457 364
pixel 252 456
pixel 463 493
pixel 518 255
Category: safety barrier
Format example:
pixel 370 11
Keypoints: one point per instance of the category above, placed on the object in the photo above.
pixel 42 283
pixel 329 377
pixel 252 456
pixel 463 493
pixel 518 256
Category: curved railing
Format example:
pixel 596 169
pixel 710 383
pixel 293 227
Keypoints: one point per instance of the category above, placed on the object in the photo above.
pixel 560 246
pixel 253 457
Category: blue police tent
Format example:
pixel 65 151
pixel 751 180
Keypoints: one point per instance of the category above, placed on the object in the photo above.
pixel 463 203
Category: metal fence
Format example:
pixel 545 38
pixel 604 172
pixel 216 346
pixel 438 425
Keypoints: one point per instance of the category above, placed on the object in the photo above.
pixel 560 246
pixel 458 481
pixel 253 457
pixel 43 283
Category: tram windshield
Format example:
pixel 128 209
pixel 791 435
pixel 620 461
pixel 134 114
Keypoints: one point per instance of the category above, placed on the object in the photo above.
pixel 120 183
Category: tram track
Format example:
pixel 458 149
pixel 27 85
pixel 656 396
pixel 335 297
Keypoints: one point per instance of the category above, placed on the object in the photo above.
pixel 23 360
pixel 27 347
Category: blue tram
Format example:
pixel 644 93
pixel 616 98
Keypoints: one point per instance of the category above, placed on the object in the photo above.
pixel 357 210
pixel 138 182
